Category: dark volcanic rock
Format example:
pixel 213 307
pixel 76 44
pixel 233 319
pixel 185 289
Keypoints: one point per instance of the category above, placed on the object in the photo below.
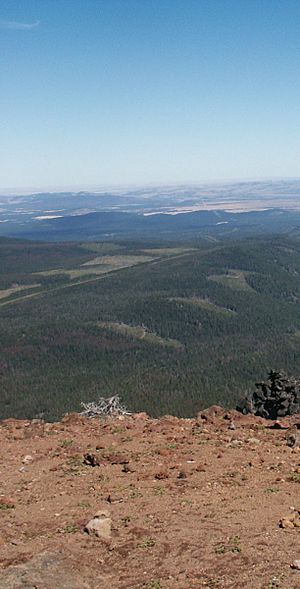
pixel 277 397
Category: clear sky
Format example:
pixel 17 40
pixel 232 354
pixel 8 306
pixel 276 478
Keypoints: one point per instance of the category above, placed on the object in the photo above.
pixel 138 91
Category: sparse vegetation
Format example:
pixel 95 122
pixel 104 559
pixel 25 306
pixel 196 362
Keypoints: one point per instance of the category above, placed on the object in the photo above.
pixel 153 584
pixel 84 504
pixel 294 477
pixel 232 545
pixel 70 529
pixel 135 494
pixel 159 491
pixel 148 543
pixel 5 506
pixel 66 443
pixel 272 490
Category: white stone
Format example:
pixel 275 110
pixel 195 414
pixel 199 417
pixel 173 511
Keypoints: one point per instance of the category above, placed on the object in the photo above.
pixel 100 525
pixel 27 459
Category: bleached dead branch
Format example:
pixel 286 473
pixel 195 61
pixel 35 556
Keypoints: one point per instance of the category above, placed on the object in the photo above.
pixel 110 407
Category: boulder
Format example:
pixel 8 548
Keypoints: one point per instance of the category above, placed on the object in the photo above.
pixel 100 525
pixel 46 570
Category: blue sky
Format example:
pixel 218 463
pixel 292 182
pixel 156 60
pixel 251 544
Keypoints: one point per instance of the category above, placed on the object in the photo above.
pixel 97 92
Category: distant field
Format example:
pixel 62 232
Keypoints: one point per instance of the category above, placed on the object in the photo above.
pixel 234 279
pixel 140 332
pixel 76 272
pixel 168 251
pixel 98 265
pixel 102 247
pixel 5 293
pixel 121 261
pixel 204 304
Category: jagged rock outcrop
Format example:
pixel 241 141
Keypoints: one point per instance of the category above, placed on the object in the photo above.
pixel 276 397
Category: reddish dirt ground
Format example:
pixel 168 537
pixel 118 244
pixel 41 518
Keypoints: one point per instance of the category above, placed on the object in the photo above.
pixel 194 503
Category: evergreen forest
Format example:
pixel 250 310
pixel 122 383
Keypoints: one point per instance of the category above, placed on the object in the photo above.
pixel 170 328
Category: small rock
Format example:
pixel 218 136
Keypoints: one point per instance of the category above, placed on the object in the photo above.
pixel 91 459
pixel 291 521
pixel 253 441
pixel 127 469
pixel 200 468
pixel 28 459
pixel 116 458
pixel 161 475
pixel 285 522
pixel 139 416
pixel 236 443
pixel 164 452
pixel 211 412
pixel 73 419
pixel 296 565
pixel 6 503
pixel 114 498
pixel 293 440
pixel 182 475
pixel 100 525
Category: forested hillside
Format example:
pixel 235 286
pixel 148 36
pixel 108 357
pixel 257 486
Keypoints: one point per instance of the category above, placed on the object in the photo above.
pixel 170 329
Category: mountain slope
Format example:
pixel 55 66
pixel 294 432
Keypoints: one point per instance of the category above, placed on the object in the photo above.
pixel 173 333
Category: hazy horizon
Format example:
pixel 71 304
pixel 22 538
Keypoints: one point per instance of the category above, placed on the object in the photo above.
pixel 121 187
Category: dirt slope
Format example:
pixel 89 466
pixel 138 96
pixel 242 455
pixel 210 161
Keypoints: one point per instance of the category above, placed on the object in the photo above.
pixel 194 503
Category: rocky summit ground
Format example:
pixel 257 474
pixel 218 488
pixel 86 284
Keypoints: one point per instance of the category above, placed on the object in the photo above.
pixel 193 503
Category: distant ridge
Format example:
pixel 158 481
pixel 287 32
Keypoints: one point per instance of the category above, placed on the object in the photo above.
pixel 115 225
